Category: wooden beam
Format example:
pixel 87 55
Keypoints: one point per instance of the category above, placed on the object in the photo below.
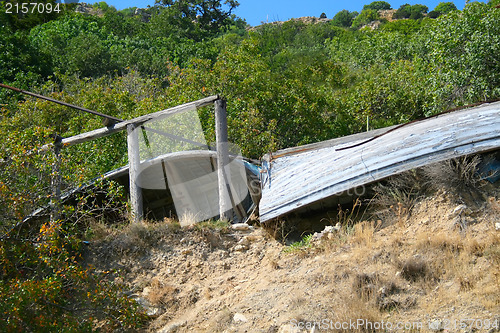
pixel 105 131
pixel 134 164
pixel 55 200
pixel 222 159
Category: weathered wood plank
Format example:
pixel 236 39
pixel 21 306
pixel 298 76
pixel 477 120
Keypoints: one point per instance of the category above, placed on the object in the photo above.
pixel 134 162
pixel 56 180
pixel 222 159
pixel 105 131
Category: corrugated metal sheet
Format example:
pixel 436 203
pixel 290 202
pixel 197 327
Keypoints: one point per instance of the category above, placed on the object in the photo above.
pixel 297 177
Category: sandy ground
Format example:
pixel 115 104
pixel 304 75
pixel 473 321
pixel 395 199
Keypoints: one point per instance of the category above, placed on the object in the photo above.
pixel 436 269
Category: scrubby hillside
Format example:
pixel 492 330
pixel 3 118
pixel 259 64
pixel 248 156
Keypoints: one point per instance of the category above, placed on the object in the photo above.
pixel 286 85
pixel 431 259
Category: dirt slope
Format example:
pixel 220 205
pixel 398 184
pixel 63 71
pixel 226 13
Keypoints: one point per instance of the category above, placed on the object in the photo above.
pixel 428 269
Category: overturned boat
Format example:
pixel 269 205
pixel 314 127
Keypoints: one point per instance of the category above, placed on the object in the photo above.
pixel 313 176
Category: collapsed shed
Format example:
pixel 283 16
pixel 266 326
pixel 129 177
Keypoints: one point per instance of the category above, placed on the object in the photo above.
pixel 202 182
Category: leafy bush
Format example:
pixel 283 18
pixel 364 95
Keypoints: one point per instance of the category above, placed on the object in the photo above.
pixel 44 287
pixel 408 11
pixel 301 245
pixel 378 5
pixel 344 18
pixel 434 14
pixel 464 45
pixel 366 16
pixel 445 7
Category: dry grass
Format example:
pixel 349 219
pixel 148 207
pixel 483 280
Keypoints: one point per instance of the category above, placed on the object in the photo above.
pixel 350 216
pixel 162 294
pixel 363 233
pixel 429 267
pixel 223 320
pixel 132 238
pixel 354 309
pixel 414 269
pixel 188 219
pixel 395 198
pixel 459 172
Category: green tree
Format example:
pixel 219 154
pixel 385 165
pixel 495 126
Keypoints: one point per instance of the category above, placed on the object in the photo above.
pixel 104 7
pixel 433 14
pixel 464 48
pixel 378 5
pixel 366 16
pixel 494 3
pixel 344 18
pixel 201 18
pixel 418 11
pixel 404 11
pixel 413 12
pixel 445 7
pixel 62 42
pixel 95 61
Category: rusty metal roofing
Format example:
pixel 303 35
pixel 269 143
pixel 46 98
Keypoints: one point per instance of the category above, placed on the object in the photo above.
pixel 301 176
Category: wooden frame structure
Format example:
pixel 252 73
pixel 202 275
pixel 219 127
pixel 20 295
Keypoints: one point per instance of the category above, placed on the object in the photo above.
pixel 134 158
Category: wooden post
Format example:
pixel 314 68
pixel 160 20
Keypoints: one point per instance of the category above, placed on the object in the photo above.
pixel 55 201
pixel 222 158
pixel 134 161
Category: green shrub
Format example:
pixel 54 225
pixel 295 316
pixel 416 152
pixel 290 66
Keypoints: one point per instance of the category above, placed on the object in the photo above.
pixel 44 287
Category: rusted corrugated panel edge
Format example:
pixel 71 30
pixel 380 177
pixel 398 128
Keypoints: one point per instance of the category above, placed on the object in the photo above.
pixel 296 177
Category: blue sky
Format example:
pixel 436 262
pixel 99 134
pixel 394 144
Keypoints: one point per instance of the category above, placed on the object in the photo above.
pixel 257 11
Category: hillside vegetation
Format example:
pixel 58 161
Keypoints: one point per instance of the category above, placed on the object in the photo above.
pixel 286 84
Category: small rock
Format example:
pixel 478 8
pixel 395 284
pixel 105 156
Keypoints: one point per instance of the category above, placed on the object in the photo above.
pixel 146 291
pixel 497 226
pixel 240 248
pixel 81 9
pixel 187 252
pixel 328 232
pixel 240 318
pixel 244 241
pixel 172 327
pixel 241 227
pixel 253 238
pixel 128 292
pixel 154 312
pixel 151 310
pixel 458 211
